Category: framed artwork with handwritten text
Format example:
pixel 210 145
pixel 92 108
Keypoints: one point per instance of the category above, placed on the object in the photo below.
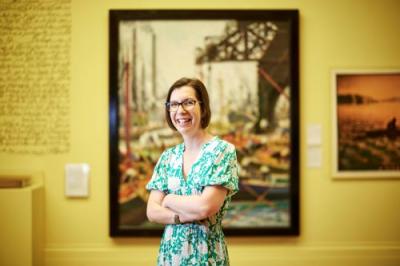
pixel 35 77
pixel 248 60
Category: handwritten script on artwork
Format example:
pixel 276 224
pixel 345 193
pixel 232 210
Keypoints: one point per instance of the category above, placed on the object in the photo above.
pixel 35 39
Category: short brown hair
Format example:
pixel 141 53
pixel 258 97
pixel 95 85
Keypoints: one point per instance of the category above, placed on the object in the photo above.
pixel 201 94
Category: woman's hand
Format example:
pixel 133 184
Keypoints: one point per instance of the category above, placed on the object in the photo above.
pixel 167 200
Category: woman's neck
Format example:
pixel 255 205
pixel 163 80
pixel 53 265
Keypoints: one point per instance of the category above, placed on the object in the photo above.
pixel 195 142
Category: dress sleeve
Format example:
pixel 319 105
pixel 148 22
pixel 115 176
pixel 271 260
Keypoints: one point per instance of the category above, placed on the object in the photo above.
pixel 225 171
pixel 159 178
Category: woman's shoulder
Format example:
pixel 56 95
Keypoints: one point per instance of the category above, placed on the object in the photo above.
pixel 219 144
pixel 174 150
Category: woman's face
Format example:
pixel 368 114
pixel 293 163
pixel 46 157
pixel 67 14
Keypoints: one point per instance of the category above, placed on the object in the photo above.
pixel 187 118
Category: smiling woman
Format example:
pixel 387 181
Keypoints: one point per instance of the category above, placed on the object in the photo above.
pixel 192 183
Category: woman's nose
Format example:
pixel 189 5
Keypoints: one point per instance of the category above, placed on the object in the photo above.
pixel 181 109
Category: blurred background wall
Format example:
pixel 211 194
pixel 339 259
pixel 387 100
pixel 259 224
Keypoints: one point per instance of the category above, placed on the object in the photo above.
pixel 343 222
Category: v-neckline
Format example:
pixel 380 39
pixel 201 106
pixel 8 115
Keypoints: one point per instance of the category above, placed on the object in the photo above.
pixel 191 167
pixel 202 148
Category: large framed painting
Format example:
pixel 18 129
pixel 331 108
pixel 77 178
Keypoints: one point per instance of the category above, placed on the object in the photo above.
pixel 248 60
pixel 366 132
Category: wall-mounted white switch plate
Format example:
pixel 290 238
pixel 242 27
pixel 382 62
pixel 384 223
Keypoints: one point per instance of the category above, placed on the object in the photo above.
pixel 77 180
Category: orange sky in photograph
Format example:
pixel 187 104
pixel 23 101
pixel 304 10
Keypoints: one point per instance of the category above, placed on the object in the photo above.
pixel 377 86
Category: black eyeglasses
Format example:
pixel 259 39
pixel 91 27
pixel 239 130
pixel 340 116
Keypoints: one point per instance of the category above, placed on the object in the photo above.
pixel 187 105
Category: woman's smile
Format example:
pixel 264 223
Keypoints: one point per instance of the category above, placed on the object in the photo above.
pixel 183 122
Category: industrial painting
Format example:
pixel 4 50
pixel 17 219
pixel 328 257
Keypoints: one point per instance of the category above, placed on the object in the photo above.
pixel 248 61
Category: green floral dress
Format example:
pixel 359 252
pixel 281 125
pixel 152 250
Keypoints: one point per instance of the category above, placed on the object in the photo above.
pixel 200 243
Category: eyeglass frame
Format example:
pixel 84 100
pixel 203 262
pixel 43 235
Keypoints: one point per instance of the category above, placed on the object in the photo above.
pixel 167 105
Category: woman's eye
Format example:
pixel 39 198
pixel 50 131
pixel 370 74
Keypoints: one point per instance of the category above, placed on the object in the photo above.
pixel 189 102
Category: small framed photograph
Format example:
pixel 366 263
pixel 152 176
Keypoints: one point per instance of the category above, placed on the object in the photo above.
pixel 366 123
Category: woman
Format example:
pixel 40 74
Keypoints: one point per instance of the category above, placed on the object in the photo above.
pixel 192 183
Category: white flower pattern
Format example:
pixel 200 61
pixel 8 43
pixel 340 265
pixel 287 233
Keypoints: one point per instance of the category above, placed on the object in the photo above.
pixel 200 243
pixel 173 183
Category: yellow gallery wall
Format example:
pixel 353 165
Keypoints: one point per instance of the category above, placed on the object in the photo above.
pixel 346 222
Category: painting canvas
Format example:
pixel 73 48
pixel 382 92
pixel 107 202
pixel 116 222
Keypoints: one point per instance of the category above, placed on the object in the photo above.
pixel 248 60
pixel 367 132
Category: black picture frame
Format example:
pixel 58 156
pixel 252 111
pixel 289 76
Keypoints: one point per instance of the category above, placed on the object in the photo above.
pixel 268 40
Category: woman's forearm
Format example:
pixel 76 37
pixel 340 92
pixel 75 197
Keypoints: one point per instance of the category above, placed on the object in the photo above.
pixel 159 214
pixel 186 205
pixel 197 206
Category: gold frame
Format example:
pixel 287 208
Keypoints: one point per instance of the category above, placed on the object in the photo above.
pixel 353 174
